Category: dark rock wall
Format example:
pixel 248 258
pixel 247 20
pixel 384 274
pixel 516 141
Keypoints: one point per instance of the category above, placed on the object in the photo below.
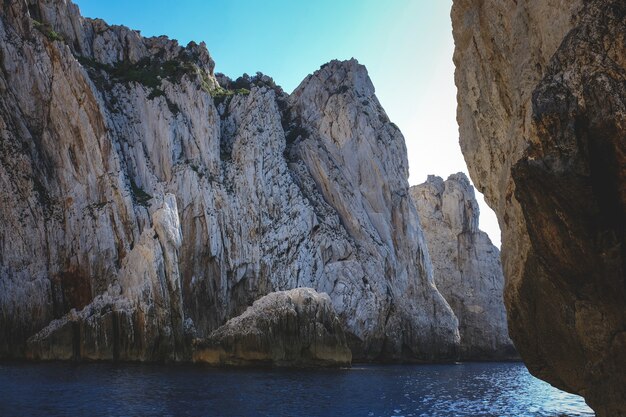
pixel 542 116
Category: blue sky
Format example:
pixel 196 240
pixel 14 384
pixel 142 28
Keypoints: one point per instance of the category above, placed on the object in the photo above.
pixel 406 46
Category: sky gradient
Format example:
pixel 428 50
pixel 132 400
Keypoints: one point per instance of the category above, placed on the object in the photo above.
pixel 406 46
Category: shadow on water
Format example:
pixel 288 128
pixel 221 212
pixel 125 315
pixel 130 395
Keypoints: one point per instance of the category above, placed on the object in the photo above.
pixel 107 389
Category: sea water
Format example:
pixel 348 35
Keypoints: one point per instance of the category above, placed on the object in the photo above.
pixel 106 389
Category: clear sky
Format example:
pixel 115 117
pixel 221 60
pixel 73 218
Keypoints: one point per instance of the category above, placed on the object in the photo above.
pixel 406 46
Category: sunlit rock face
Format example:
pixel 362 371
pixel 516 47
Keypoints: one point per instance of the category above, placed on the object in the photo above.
pixel 541 112
pixel 298 327
pixel 145 203
pixel 348 157
pixel 466 265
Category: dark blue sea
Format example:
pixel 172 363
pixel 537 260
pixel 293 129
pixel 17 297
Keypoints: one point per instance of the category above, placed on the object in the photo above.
pixel 101 389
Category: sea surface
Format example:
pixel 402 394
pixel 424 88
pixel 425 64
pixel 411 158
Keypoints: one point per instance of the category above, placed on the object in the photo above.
pixel 104 389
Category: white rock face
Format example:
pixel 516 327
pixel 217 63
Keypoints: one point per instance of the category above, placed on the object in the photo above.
pixel 466 265
pixel 357 161
pixel 145 205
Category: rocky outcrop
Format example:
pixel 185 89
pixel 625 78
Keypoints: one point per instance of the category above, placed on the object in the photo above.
pixel 466 265
pixel 147 201
pixel 298 327
pixel 541 113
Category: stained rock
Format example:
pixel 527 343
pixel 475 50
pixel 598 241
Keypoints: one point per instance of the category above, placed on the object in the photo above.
pixel 541 114
pixel 139 317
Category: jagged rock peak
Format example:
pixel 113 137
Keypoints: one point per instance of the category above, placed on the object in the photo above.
pixel 343 76
pixel 457 205
pixel 95 39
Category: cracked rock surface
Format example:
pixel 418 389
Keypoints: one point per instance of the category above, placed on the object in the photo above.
pixel 466 265
pixel 146 200
pixel 541 92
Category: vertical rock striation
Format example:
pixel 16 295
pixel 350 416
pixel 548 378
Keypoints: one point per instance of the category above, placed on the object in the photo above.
pixel 541 113
pixel 146 203
pixel 466 265
pixel 346 154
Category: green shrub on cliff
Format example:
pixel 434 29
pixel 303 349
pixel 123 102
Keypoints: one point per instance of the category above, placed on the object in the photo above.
pixel 220 94
pixel 47 30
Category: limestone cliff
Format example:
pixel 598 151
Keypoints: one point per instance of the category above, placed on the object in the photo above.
pixel 466 265
pixel 541 92
pixel 147 201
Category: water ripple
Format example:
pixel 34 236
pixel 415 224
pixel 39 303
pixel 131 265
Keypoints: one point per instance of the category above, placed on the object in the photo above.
pixel 463 390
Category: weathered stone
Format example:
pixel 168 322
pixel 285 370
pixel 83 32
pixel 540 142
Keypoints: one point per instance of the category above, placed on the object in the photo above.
pixel 298 327
pixel 356 159
pixel 466 265
pixel 541 114
pixel 138 318
pixel 136 187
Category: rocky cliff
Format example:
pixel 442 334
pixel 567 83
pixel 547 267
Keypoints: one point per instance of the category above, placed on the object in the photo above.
pixel 147 201
pixel 541 92
pixel 466 265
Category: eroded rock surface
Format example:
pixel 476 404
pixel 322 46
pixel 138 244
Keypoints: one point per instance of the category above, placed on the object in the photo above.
pixel 139 317
pixel 298 327
pixel 541 113
pixel 145 202
pixel 466 265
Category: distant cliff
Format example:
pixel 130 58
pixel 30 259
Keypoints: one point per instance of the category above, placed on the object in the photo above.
pixel 542 114
pixel 466 265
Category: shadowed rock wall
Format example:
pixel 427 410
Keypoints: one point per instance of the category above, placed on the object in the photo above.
pixel 541 93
